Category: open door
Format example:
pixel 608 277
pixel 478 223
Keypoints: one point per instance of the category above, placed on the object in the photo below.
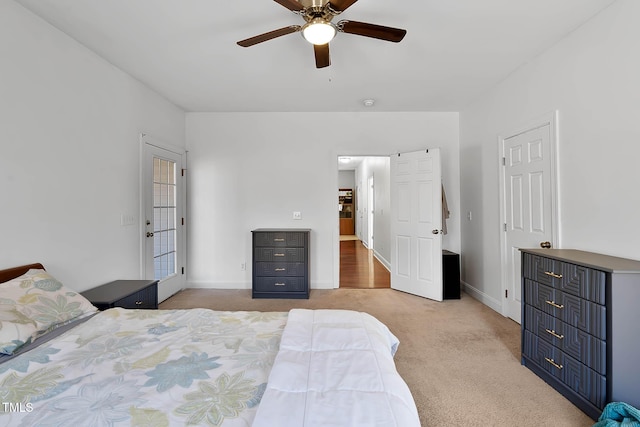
pixel 416 223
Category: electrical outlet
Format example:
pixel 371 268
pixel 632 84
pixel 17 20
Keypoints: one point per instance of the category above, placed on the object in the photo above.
pixel 297 215
pixel 243 266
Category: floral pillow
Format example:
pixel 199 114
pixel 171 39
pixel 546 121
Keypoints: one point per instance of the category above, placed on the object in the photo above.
pixel 33 304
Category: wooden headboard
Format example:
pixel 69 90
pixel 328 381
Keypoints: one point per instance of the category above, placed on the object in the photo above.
pixel 12 273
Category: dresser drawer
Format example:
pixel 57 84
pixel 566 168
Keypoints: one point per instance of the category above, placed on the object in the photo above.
pixel 584 381
pixel 279 254
pixel 577 312
pixel 280 269
pixel 576 343
pixel 574 279
pixel 279 239
pixel 146 298
pixel 280 284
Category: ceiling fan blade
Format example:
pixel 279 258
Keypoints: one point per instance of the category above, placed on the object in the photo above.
pixel 291 5
pixel 322 55
pixel 341 5
pixel 371 30
pixel 270 35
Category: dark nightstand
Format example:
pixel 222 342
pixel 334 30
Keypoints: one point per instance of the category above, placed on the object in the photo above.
pixel 450 275
pixel 125 294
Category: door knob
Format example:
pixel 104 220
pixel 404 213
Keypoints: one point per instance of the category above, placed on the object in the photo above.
pixel 149 234
pixel 545 245
pixel 435 231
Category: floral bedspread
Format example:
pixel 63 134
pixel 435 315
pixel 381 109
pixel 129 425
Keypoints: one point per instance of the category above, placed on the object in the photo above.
pixel 145 367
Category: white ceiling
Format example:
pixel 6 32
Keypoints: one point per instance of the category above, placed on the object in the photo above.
pixel 454 51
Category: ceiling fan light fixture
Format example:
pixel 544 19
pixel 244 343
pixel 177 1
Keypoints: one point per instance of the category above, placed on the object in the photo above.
pixel 318 31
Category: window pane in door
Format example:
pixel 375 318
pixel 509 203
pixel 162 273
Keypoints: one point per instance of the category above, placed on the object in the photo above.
pixel 164 216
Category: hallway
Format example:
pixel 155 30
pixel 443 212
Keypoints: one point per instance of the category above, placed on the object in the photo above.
pixel 359 268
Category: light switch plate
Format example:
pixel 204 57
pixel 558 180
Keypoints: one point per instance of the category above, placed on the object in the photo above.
pixel 126 219
pixel 297 215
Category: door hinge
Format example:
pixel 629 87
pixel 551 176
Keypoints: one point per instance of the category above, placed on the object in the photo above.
pixel 182 171
pixel 182 270
pixel 505 226
pixel 183 221
pixel 506 293
pixel 504 161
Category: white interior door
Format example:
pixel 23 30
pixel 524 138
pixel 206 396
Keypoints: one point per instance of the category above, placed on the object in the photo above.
pixel 162 188
pixel 528 205
pixel 416 223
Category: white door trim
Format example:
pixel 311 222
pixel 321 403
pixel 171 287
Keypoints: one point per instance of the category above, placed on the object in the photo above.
pixel 550 119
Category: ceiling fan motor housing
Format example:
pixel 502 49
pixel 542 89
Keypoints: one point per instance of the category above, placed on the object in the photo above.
pixel 315 10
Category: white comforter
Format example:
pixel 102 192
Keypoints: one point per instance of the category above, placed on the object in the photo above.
pixel 336 368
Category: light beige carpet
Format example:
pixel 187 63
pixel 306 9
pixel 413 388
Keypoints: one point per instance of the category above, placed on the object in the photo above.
pixel 460 359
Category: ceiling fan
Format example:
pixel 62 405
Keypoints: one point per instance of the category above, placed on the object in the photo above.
pixel 319 30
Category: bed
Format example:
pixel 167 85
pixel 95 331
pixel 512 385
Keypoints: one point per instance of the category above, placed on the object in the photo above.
pixel 65 363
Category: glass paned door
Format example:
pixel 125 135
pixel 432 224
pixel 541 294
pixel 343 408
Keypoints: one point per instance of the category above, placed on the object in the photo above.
pixel 164 218
pixel 163 194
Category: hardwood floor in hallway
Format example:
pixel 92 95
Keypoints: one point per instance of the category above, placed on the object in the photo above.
pixel 359 268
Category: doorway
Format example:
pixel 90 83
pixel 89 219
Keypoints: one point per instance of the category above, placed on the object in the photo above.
pixel 363 264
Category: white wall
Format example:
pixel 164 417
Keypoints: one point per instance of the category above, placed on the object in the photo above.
pixel 253 170
pixel 591 79
pixel 69 159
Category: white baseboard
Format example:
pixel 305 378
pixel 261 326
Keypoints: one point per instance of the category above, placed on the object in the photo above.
pixel 382 260
pixel 218 285
pixel 490 302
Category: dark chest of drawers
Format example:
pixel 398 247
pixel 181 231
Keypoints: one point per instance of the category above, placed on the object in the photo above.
pixel 125 294
pixel 579 325
pixel 280 263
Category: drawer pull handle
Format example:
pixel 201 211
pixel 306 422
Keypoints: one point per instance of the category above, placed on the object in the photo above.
pixel 278 254
pixel 555 334
pixel 279 284
pixel 281 269
pixel 553 362
pixel 278 240
pixel 557 276
pixel 138 302
pixel 554 304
